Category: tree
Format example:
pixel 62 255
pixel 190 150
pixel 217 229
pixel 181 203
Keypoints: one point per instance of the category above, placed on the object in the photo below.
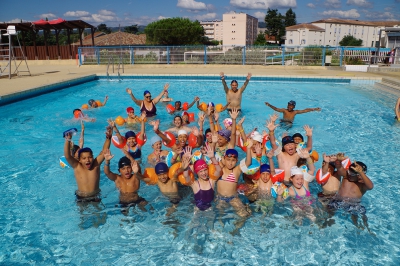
pixel 174 31
pixel 349 40
pixel 260 39
pixel 103 28
pixel 290 18
pixel 275 24
pixel 131 29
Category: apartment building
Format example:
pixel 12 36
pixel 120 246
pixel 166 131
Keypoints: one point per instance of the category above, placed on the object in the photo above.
pixel 234 29
pixel 331 32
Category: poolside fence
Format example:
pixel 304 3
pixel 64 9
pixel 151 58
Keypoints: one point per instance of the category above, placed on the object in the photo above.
pixel 234 55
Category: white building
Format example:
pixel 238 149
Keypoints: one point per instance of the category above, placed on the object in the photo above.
pixel 235 29
pixel 331 32
pixel 213 29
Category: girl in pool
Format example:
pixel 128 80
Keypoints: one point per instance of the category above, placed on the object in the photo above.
pixel 203 187
pixel 158 155
pixel 178 126
pixel 132 118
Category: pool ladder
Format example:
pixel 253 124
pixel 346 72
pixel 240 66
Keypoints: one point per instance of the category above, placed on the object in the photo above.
pixel 120 67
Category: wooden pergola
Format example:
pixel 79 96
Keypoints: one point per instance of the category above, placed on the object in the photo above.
pixel 47 26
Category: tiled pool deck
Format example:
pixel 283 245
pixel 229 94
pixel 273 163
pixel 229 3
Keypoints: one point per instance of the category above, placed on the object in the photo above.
pixel 49 76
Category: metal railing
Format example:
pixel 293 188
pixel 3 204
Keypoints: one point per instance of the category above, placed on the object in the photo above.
pixel 235 55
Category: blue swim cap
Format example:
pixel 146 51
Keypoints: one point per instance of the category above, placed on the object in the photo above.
pixel 130 134
pixel 231 153
pixel 90 102
pixel 265 168
pixel 124 161
pixel 161 168
pixel 145 92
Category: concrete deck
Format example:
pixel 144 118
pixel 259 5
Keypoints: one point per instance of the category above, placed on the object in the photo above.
pixel 45 73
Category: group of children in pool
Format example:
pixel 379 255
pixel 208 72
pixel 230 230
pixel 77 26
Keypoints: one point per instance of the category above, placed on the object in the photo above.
pixel 212 157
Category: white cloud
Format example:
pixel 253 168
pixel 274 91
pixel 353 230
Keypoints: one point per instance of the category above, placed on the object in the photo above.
pixel 16 20
pixel 259 15
pixel 77 13
pixel 361 3
pixel 263 4
pixel 104 12
pixel 311 5
pixel 333 3
pixel 191 5
pixel 102 18
pixel 349 14
pixel 48 15
pixel 161 17
pixel 381 16
pixel 208 16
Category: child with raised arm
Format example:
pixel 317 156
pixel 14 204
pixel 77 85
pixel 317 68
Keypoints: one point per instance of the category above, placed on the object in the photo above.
pixel 127 181
pixel 95 104
pixel 227 184
pixel 87 169
pixel 132 145
pixel 203 187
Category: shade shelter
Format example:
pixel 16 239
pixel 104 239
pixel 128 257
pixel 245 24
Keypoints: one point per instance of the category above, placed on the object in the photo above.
pixel 47 27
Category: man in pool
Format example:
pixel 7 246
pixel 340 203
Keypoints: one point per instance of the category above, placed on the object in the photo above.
pixel 234 95
pixel 289 113
pixel 95 104
pixel 87 169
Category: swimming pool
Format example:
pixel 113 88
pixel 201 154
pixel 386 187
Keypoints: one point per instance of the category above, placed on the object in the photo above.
pixel 41 223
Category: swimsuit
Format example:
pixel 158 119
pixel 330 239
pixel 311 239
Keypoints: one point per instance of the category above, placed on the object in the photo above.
pixel 149 113
pixel 300 197
pixel 351 206
pixel 137 154
pixel 203 198
pixel 230 178
pixel 88 197
pixel 226 199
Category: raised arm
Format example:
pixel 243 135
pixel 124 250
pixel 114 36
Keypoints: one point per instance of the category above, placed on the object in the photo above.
pixel 270 155
pixel 82 138
pixel 307 110
pixel 309 133
pixel 280 110
pixel 248 144
pixel 224 82
pixel 105 101
pixel 100 158
pixel 67 153
pixel 138 102
pixel 271 127
pixel 246 82
pixel 196 99
pixel 368 185
pixel 142 125
pixel 108 157
pixel 155 124
pixel 158 98
pixel 234 114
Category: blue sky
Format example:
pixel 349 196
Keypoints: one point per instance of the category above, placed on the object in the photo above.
pixel 129 12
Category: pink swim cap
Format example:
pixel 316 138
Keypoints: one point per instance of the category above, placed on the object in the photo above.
pixel 200 165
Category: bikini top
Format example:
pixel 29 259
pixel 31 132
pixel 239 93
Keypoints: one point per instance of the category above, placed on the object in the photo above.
pixel 149 113
pixel 203 198
pixel 230 178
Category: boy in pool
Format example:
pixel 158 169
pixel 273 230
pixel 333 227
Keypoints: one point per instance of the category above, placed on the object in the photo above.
pixel 355 184
pixel 127 181
pixel 289 113
pixel 95 104
pixel 168 186
pixel 87 169
pixel 78 114
pixel 178 105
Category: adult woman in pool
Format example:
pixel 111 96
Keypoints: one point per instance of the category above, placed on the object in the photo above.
pixel 148 105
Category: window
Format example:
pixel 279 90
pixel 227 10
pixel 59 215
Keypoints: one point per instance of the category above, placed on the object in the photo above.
pixel 304 33
pixel 349 31
pixel 290 41
pixel 233 17
pixel 303 41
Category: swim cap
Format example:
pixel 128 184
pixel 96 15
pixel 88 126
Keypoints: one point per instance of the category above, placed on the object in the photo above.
pixel 225 133
pixel 182 132
pixel 298 135
pixel 124 161
pixel 86 149
pixel 145 92
pixel 154 140
pixel 231 153
pixel 130 134
pixel 287 140
pixel 256 136
pixel 199 165
pixel 295 171
pixel 130 109
pixel 90 102
pixel 292 103
pixel 185 113
pixel 211 104
pixel 265 168
pixel 227 122
pixel 77 113
pixel 178 102
pixel 161 168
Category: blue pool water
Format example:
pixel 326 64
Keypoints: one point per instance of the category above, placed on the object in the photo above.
pixel 40 223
